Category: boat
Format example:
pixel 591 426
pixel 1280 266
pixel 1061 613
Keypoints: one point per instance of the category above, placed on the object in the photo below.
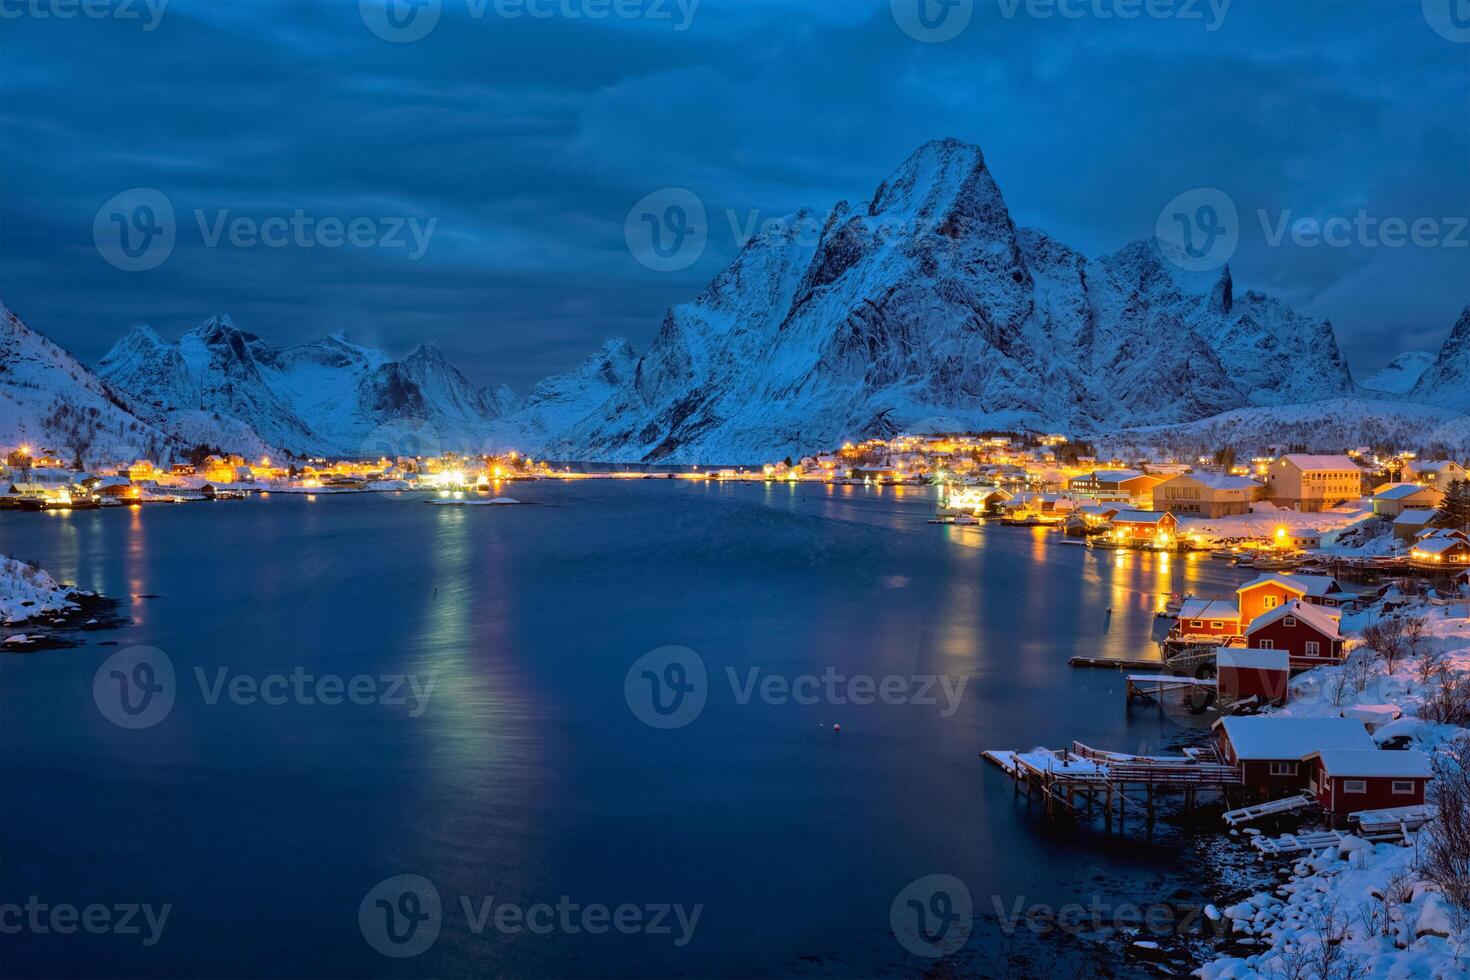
pixel 1270 562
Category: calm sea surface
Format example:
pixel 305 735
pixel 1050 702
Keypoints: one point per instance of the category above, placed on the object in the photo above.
pixel 525 777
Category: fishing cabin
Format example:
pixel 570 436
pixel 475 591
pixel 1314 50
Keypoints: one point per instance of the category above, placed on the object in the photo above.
pixel 1244 673
pixel 1310 635
pixel 1347 780
pixel 1269 750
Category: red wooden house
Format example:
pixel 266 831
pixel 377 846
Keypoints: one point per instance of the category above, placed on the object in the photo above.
pixel 1261 674
pixel 1272 591
pixel 1347 780
pixel 1208 617
pixel 1269 750
pixel 1309 634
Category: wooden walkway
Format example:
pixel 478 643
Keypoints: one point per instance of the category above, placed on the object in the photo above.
pixel 1083 781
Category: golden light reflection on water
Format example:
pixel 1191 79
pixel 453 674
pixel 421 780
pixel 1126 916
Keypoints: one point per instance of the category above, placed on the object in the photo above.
pixel 135 564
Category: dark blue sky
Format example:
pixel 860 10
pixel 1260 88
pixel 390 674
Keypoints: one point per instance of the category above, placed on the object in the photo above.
pixel 527 139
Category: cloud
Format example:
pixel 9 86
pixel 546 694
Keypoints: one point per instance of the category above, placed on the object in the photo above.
pixel 529 139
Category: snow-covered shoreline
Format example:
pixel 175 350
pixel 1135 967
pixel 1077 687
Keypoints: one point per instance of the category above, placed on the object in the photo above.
pixel 1361 909
pixel 28 592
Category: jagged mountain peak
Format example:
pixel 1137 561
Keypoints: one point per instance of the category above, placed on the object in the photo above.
pixel 1446 382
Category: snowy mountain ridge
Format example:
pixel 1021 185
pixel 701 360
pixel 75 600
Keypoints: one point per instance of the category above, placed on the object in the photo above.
pixel 1399 375
pixel 925 308
pixel 329 397
pixel 959 319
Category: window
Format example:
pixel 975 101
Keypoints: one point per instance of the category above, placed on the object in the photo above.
pixel 1289 621
pixel 1283 768
pixel 1197 623
pixel 1271 601
pixel 1216 624
pixel 1312 649
pixel 1265 645
pixel 1355 785
pixel 1403 786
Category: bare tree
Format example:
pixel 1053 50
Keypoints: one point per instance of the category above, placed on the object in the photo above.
pixel 1429 665
pixel 1446 858
pixel 1449 703
pixel 1389 638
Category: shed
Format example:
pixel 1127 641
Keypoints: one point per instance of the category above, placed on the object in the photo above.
pixel 1345 780
pixel 1244 673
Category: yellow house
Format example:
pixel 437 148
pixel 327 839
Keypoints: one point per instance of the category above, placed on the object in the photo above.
pixel 1312 482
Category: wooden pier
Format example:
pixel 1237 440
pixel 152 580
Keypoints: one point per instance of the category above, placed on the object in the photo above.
pixel 1117 663
pixel 1085 782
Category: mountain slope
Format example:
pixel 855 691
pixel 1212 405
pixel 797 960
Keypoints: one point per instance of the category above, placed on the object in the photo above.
pixel 928 308
pixel 326 397
pixel 49 400
pixel 1400 375
pixel 1446 382
pixel 555 405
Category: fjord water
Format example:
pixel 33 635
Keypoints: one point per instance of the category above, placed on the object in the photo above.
pixel 527 778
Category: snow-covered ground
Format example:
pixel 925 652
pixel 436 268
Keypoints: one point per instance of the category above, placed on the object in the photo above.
pixel 27 591
pixel 1265 518
pixel 1362 909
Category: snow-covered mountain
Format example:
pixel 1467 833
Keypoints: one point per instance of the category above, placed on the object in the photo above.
pixel 326 397
pixel 1399 375
pixel 557 404
pixel 928 308
pixel 1334 423
pixel 1446 382
pixel 48 400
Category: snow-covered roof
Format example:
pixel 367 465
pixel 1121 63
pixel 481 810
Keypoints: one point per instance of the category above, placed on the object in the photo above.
pixel 1433 465
pixel 1303 461
pixel 1314 616
pixel 1436 545
pixel 1398 491
pixel 1208 609
pixel 1405 764
pixel 1256 737
pixel 1115 476
pixel 1312 585
pixel 1222 481
pixel 1244 658
pixel 1140 516
pixel 1414 517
